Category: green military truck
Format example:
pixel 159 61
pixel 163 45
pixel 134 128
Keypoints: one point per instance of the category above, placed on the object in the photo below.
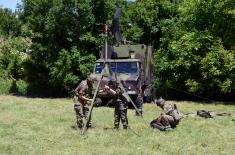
pixel 133 65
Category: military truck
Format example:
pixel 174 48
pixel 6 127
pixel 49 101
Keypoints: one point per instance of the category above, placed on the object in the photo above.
pixel 132 64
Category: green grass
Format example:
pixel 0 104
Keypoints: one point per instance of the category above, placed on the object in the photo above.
pixel 45 126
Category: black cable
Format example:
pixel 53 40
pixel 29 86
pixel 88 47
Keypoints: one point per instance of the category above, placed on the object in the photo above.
pixel 191 94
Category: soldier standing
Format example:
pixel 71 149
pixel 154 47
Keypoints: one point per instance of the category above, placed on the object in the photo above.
pixel 168 119
pixel 82 100
pixel 120 102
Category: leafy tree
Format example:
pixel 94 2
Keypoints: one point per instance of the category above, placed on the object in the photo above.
pixel 62 73
pixel 9 25
pixel 193 46
pixel 146 17
pixel 13 54
pixel 56 28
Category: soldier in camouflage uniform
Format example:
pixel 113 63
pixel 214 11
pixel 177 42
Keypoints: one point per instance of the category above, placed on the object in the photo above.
pixel 82 100
pixel 120 102
pixel 168 119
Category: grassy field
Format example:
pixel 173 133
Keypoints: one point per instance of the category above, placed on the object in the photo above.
pixel 46 126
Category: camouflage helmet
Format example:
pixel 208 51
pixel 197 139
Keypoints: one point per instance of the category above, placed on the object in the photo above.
pixel 92 77
pixel 160 102
pixel 113 80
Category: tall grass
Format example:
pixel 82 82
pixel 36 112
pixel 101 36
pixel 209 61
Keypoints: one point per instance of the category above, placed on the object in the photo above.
pixel 46 126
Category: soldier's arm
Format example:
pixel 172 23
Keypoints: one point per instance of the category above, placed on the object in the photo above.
pixel 82 95
pixel 84 98
pixel 110 90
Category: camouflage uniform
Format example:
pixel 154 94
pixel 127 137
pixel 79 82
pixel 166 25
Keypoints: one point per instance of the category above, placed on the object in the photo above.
pixel 81 107
pixel 120 111
pixel 169 118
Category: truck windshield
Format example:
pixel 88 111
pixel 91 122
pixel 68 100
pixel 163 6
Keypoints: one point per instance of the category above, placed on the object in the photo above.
pixel 118 67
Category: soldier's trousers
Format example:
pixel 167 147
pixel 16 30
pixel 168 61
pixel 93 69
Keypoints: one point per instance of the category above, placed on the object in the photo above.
pixel 139 105
pixel 120 112
pixel 82 110
pixel 166 120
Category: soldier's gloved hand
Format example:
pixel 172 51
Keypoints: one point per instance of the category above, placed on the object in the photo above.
pixel 106 88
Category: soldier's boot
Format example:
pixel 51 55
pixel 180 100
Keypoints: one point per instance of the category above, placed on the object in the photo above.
pixel 79 124
pixel 116 125
pixel 89 123
pixel 125 127
pixel 168 128
pixel 158 126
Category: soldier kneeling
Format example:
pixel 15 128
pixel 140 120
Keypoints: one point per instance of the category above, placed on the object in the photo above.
pixel 168 119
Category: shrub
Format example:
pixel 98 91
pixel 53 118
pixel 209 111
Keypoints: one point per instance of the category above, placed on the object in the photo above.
pixel 22 87
pixel 5 86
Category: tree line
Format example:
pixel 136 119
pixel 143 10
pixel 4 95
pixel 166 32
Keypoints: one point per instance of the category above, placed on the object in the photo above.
pixel 48 46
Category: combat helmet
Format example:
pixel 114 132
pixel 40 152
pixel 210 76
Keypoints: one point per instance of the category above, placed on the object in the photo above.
pixel 91 77
pixel 160 102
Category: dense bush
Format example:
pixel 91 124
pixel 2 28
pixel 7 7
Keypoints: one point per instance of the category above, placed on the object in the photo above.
pixel 21 88
pixel 10 86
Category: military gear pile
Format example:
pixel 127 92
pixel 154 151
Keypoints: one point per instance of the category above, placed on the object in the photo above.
pixel 210 114
pixel 205 114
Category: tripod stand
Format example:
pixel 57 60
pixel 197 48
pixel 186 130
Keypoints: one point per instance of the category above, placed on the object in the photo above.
pixel 106 72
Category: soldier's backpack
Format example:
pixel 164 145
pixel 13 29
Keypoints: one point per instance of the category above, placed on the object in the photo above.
pixel 175 114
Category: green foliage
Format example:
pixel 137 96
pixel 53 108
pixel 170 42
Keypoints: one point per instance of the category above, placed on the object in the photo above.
pixel 22 87
pixel 70 64
pixel 145 17
pixel 194 53
pixel 11 86
pixel 212 16
pixel 9 25
pixel 5 86
pixel 12 56
pixel 218 68
pixel 64 40
pixel 52 44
